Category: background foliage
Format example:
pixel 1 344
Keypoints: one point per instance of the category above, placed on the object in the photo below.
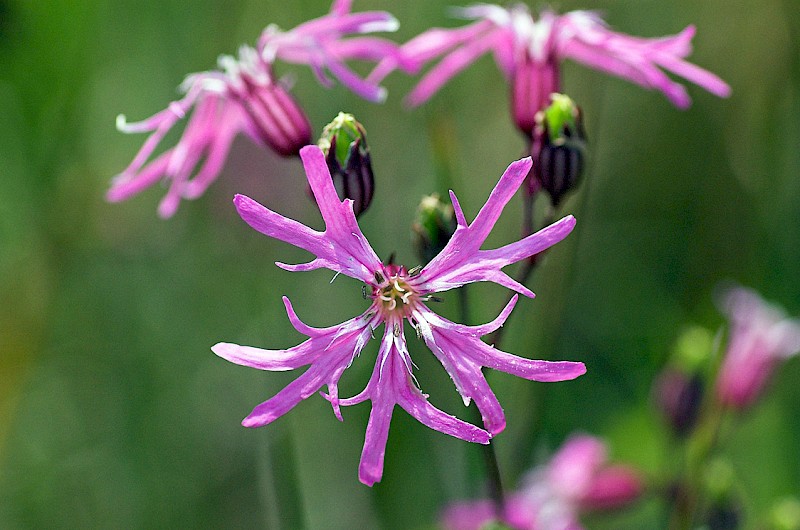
pixel 115 414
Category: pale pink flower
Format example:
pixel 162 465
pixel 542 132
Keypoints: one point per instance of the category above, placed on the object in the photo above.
pixel 244 96
pixel 577 479
pixel 398 295
pixel 761 336
pixel 529 52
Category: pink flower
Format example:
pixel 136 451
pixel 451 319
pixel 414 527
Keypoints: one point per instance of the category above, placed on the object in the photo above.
pixel 576 479
pixel 397 296
pixel 761 336
pixel 244 97
pixel 529 53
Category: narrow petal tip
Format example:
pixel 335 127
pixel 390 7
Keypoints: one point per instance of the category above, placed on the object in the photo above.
pixel 223 349
pixel 121 123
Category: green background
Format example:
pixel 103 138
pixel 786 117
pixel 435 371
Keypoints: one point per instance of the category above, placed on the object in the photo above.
pixel 114 413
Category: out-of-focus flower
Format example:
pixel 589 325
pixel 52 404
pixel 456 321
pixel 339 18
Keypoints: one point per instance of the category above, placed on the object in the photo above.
pixel 761 335
pixel 398 295
pixel 344 144
pixel 244 96
pixel 529 52
pixel 558 148
pixel 552 496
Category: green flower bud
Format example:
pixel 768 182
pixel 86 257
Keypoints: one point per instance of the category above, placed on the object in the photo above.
pixel 785 515
pixel 344 143
pixel 433 227
pixel 558 148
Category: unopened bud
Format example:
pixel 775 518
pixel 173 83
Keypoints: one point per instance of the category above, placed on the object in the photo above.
pixel 679 389
pixel 558 148
pixel 785 515
pixel 433 226
pixel 344 143
pixel 678 396
pixel 725 510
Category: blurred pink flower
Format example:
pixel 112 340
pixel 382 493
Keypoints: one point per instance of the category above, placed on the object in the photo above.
pixel 761 336
pixel 529 52
pixel 398 295
pixel 243 96
pixel 552 496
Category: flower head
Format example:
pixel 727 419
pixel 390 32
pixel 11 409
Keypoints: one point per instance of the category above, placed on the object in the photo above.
pixel 398 296
pixel 552 496
pixel 244 96
pixel 529 52
pixel 761 336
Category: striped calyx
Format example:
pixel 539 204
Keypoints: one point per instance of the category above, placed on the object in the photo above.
pixel 558 147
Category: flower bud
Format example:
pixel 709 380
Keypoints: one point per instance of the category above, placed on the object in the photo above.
pixel 344 143
pixel 725 509
pixel 678 391
pixel 678 396
pixel 433 227
pixel 558 148
pixel 785 515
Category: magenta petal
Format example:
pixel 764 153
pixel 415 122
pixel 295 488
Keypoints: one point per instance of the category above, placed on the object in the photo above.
pixel 285 400
pixel 370 469
pixel 451 65
pixel 274 360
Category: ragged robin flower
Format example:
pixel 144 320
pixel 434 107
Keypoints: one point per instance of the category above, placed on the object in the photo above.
pixel 552 497
pixel 761 337
pixel 398 296
pixel 244 96
pixel 529 52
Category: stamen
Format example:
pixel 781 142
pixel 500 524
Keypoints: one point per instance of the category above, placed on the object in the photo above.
pixel 431 298
pixel 379 279
pixel 396 329
pixel 364 292
pixel 415 271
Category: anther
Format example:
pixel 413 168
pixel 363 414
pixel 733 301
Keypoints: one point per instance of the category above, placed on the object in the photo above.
pixel 364 292
pixel 396 329
pixel 379 279
pixel 415 271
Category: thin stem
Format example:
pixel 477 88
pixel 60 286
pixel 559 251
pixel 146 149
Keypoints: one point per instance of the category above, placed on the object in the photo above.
pixel 495 485
pixel 493 477
pixel 528 266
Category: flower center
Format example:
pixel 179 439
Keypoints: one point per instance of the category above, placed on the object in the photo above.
pixel 394 294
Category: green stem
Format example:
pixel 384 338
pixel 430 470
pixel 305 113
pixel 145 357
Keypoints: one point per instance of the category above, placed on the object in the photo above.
pixel 528 266
pixel 491 465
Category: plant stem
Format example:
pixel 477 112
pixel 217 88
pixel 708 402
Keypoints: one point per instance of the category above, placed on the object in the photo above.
pixel 528 266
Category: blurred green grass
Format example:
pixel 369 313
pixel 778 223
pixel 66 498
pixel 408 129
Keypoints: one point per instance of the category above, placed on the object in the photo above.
pixel 115 414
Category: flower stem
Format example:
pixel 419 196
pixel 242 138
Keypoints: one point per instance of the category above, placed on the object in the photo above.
pixel 491 465
pixel 528 266
pixel 495 485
